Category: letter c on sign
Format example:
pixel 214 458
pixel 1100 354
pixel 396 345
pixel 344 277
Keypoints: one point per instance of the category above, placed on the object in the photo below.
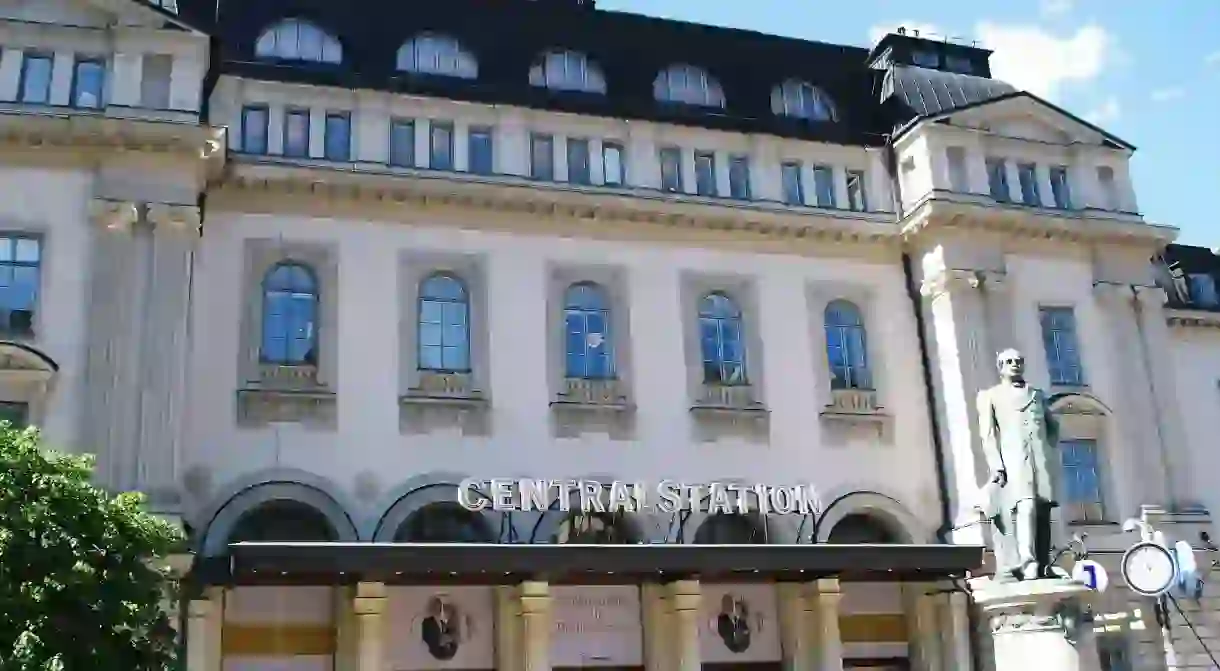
pixel 469 496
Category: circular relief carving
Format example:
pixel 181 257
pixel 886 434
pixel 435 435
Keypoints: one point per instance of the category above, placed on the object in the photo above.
pixel 196 481
pixel 366 486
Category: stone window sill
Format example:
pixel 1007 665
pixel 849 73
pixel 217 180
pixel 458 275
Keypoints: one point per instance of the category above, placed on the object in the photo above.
pixel 442 401
pixel 856 412
pixel 309 407
pixel 730 411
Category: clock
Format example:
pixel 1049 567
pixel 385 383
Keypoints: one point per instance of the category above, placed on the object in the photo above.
pixel 1149 569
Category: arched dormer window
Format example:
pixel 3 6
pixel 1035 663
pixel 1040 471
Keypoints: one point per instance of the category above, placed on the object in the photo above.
pixel 290 315
pixel 589 349
pixel 846 346
pixel 721 341
pixel 802 100
pixel 434 54
pixel 688 85
pixel 444 325
pixel 567 71
pixel 298 40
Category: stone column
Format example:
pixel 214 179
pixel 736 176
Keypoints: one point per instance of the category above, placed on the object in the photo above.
pixel 508 628
pixel 165 346
pixel 686 599
pixel 1035 624
pixel 369 606
pixel 205 620
pixel 955 619
pixel 796 614
pixel 824 597
pixel 655 619
pixel 535 626
pixel 962 356
pixel 923 634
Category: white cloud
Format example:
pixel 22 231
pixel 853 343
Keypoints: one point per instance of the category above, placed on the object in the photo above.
pixel 1038 61
pixel 1107 112
pixel 1165 95
pixel 1030 57
pixel 1057 7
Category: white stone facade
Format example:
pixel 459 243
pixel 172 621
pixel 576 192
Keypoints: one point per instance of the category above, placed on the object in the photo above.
pixel 156 227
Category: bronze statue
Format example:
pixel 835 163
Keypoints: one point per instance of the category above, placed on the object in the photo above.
pixel 1019 435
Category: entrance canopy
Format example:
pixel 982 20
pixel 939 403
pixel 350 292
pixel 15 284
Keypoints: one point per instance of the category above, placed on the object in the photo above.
pixel 495 563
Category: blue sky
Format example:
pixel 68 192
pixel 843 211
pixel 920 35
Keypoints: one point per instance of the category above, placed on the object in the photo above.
pixel 1148 72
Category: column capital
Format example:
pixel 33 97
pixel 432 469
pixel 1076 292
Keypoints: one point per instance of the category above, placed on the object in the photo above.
pixel 824 588
pixel 114 215
pixel 369 598
pixel 685 595
pixel 535 597
pixel 950 279
pixel 185 218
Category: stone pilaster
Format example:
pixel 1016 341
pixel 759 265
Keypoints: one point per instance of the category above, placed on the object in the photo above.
pixel 686 600
pixel 824 597
pixel 369 606
pixel 535 626
pixel 205 619
pixel 962 356
pixel 655 619
pixel 796 612
pixel 508 628
pixel 954 608
pixel 924 630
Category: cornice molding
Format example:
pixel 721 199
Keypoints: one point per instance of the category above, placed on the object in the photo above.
pixel 970 212
pixel 184 218
pixel 113 215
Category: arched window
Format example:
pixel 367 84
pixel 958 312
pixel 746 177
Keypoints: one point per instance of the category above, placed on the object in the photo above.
pixel 802 100
pixel 290 315
pixel 721 341
pixel 567 71
pixel 847 347
pixel 862 528
pixel 444 325
pixel 730 529
pixel 433 54
pixel 594 529
pixel 589 346
pixel 444 523
pixel 689 85
pixel 298 40
pixel 282 520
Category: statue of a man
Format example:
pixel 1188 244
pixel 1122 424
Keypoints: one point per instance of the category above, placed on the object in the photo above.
pixel 1019 436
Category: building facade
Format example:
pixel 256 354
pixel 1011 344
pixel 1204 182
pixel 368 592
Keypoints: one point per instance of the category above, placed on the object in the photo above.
pixel 297 271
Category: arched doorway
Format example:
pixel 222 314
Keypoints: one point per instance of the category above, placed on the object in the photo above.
pixel 860 528
pixel 873 615
pixel 731 529
pixel 444 522
pixel 595 529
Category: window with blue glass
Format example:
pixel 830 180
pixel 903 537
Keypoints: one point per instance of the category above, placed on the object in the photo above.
pixel 1202 290
pixel 290 315
pixel 1082 490
pixel 20 270
pixel 338 137
pixel 589 348
pixel 824 185
pixel 480 151
pixel 721 340
pixel 444 325
pixel 1062 346
pixel 254 120
pixel 846 346
pixel 36 72
pixel 88 83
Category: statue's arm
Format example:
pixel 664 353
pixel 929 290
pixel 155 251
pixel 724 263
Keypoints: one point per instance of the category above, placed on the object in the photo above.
pixel 989 433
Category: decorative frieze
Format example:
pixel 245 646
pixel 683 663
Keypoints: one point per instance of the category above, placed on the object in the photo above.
pixel 184 218
pixel 260 407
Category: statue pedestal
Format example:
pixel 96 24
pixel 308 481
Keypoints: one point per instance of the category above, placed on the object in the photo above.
pixel 1038 624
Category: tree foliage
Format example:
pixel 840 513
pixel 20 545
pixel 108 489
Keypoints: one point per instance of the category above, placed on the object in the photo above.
pixel 81 581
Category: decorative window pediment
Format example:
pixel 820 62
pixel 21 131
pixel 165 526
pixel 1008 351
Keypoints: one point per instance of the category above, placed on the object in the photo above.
pixel 435 54
pixel 298 40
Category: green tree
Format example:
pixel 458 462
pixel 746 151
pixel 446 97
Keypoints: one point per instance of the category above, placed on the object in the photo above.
pixel 81 577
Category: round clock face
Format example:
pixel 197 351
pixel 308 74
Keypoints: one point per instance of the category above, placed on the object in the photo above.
pixel 1149 569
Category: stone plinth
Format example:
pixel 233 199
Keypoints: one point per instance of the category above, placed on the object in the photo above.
pixel 1039 624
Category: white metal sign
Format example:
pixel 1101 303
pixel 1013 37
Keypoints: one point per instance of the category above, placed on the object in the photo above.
pixel 1190 582
pixel 1091 574
pixel 1149 569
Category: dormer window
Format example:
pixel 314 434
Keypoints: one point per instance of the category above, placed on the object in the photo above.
pixel 298 40
pixel 688 85
pixel 959 64
pixel 802 100
pixel 433 54
pixel 925 58
pixel 567 71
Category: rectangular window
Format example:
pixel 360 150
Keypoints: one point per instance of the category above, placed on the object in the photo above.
pixel 613 164
pixel 857 199
pixel 338 140
pixel 793 189
pixel 1062 346
pixel 1109 192
pixel 739 177
pixel 36 78
pixel 1027 174
pixel 542 157
pixel 296 133
pixel 1202 290
pixel 705 173
pixel 671 169
pixel 958 183
pixel 1060 191
pixel 154 81
pixel 578 161
pixel 440 149
pixel 402 143
pixel 1081 481
pixel 997 180
pixel 824 185
pixel 20 270
pixel 481 152
pixel 16 414
pixel 254 129
pixel 88 83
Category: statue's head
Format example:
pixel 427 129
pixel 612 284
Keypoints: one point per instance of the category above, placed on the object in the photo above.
pixel 1011 364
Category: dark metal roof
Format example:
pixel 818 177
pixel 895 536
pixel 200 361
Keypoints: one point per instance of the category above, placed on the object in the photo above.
pixel 508 563
pixel 924 92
